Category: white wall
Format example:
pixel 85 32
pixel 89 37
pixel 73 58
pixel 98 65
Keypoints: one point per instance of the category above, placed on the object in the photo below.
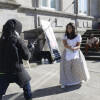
pixel 66 4
pixel 26 3
pixel 27 19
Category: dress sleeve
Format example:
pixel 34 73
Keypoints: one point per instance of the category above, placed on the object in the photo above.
pixel 64 37
pixel 79 38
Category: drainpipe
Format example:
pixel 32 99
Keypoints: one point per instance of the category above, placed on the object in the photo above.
pixel 35 16
pixel 76 12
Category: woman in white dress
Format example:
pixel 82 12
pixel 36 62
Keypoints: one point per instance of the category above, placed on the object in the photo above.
pixel 73 67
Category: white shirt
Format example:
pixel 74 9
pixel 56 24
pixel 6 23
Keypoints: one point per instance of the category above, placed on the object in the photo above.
pixel 69 53
pixel 92 40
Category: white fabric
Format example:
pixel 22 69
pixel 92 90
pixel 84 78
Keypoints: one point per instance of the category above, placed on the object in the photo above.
pixel 91 41
pixel 74 71
pixel 69 53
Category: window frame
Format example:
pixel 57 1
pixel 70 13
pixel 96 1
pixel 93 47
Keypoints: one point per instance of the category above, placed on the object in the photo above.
pixel 49 6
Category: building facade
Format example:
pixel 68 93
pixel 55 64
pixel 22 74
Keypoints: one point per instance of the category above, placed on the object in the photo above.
pixel 83 13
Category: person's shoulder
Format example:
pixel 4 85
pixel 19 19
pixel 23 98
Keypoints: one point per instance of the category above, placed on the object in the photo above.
pixel 78 36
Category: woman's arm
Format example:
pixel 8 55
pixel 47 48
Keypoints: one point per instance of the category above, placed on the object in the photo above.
pixel 77 46
pixel 65 44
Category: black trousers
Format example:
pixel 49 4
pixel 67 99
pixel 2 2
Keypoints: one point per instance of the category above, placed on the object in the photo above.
pixel 6 79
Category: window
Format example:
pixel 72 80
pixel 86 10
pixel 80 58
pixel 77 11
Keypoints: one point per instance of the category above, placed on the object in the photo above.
pixel 44 3
pixel 51 4
pixel 83 7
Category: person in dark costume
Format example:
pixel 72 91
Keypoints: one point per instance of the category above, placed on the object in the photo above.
pixel 12 50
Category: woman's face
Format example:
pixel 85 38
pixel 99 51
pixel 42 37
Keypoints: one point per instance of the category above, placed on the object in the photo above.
pixel 69 29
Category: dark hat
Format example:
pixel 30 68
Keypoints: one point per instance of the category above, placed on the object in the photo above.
pixel 10 27
pixel 15 24
pixel 18 26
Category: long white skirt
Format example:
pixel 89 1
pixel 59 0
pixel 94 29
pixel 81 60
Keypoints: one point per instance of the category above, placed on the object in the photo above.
pixel 74 71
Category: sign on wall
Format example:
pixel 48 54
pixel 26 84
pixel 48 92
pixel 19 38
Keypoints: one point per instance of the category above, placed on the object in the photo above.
pixel 51 40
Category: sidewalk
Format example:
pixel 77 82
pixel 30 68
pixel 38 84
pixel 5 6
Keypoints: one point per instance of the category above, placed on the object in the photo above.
pixel 45 85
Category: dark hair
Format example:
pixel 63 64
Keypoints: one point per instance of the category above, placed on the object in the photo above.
pixel 90 35
pixel 73 34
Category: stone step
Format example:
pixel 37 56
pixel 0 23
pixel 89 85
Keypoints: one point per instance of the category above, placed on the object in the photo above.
pixel 84 38
pixel 96 30
pixel 95 35
pixel 83 41
pixel 83 48
pixel 92 57
pixel 92 32
pixel 92 53
pixel 83 44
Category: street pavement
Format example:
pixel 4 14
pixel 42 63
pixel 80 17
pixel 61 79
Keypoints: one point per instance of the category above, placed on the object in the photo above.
pixel 45 85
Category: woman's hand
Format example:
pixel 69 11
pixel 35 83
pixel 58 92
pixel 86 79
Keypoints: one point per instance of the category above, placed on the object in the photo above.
pixel 77 47
pixel 73 49
pixel 65 44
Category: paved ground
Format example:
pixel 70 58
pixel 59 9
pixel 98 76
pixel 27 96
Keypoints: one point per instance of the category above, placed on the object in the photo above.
pixel 45 85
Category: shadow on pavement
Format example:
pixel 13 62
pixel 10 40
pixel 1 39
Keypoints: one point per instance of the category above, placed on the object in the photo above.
pixel 10 97
pixel 53 91
pixel 44 92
